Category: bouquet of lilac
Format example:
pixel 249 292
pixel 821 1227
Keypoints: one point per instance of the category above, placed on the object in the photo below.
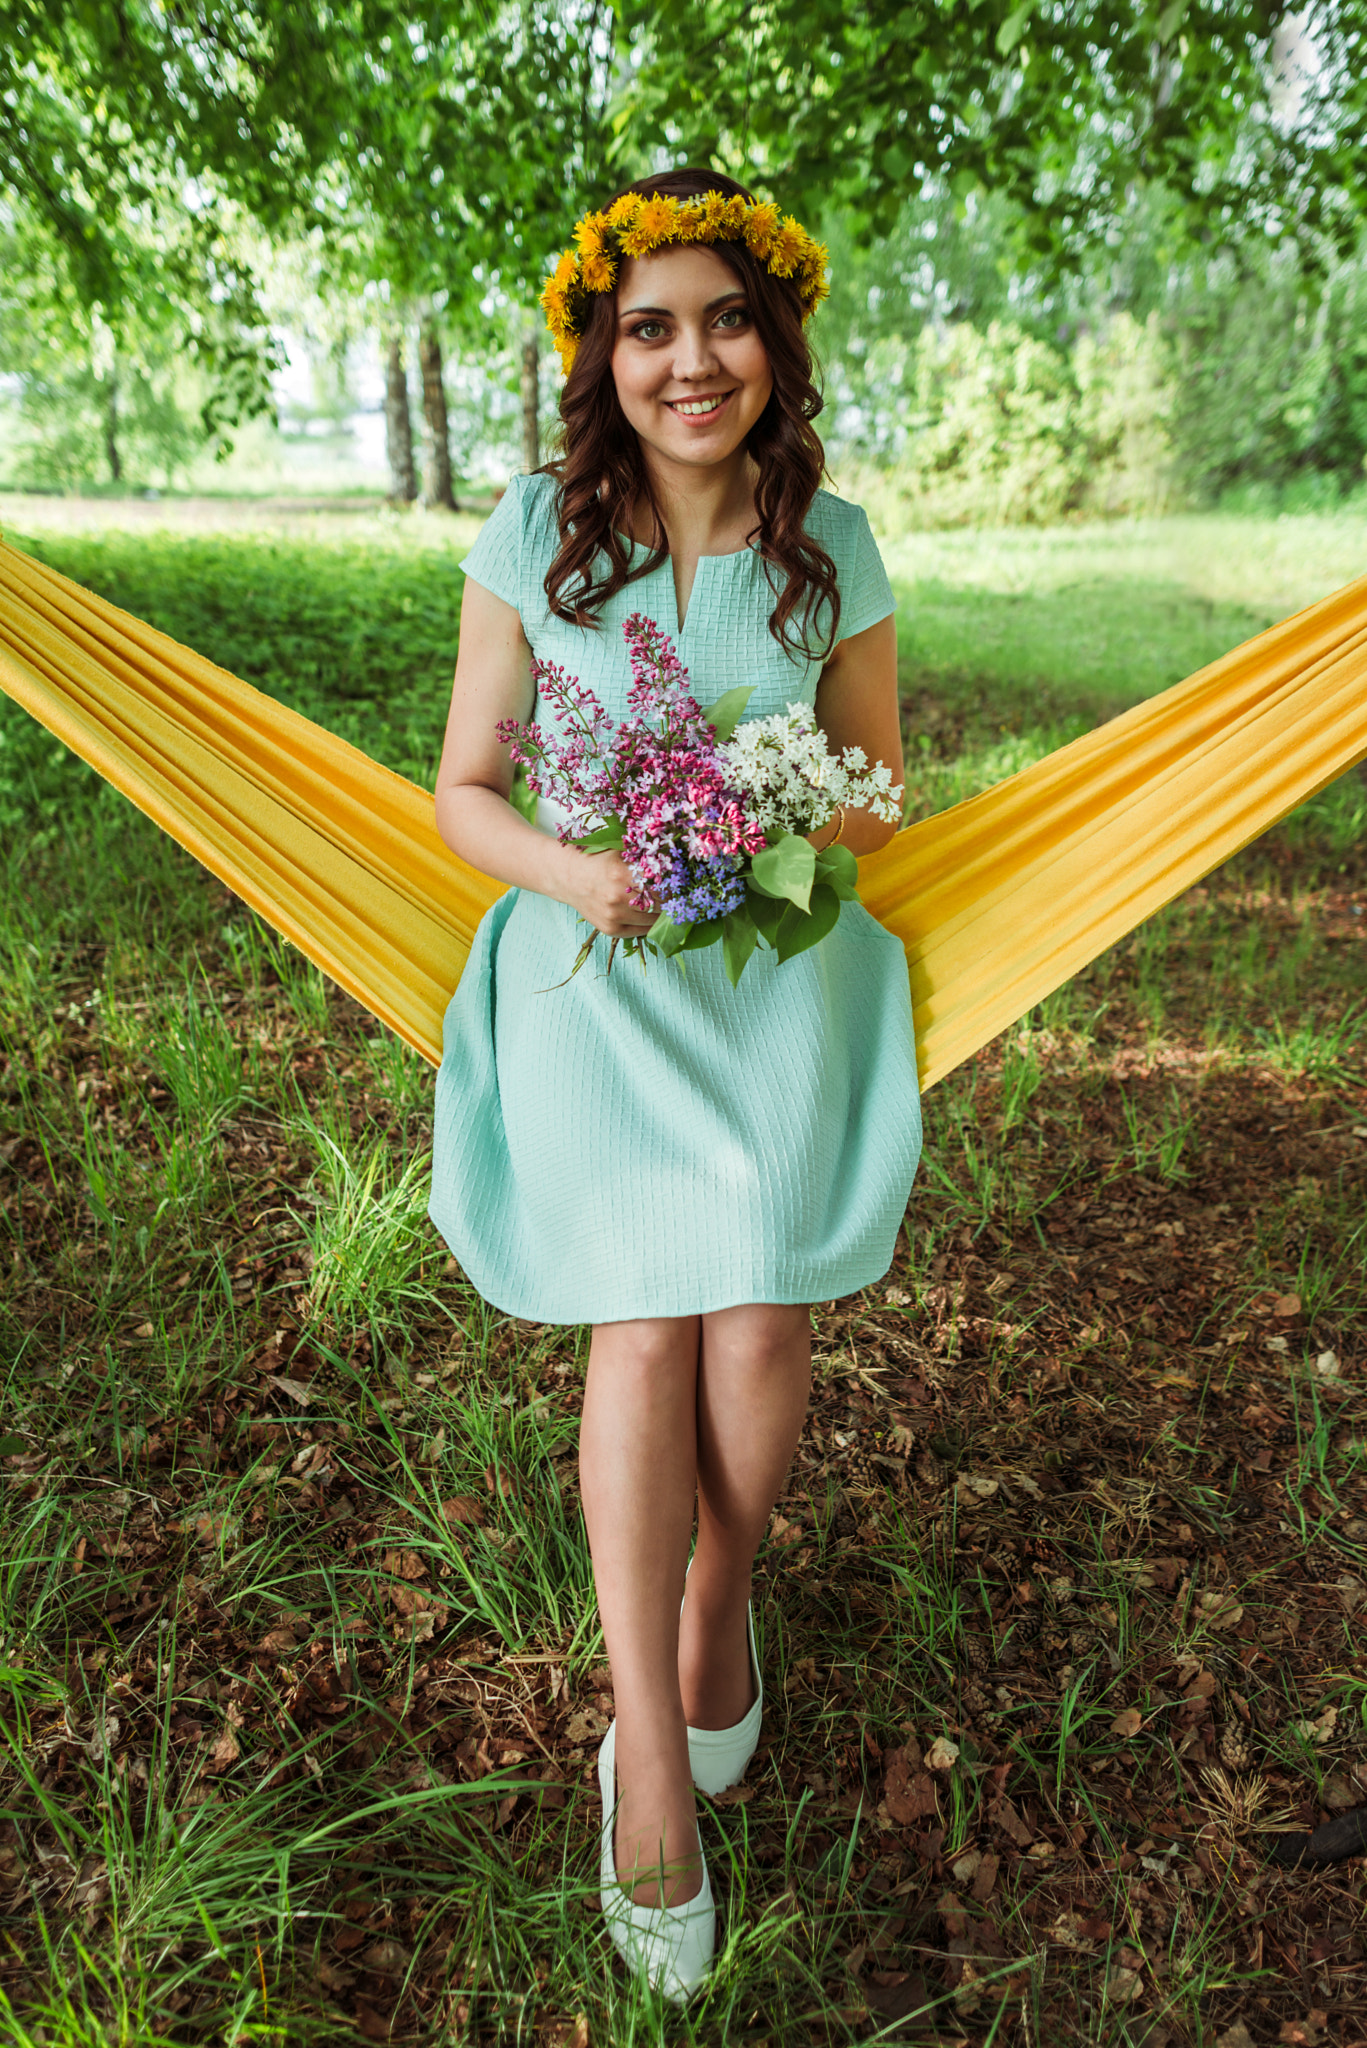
pixel 708 813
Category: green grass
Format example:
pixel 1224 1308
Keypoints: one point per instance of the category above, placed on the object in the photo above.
pixel 300 1675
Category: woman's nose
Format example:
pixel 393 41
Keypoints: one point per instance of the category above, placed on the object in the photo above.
pixel 694 355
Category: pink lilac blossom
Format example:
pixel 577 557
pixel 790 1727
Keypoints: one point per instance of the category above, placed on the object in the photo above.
pixel 686 834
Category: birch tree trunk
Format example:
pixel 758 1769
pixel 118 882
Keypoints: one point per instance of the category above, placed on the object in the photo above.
pixel 111 426
pixel 437 469
pixel 398 425
pixel 531 405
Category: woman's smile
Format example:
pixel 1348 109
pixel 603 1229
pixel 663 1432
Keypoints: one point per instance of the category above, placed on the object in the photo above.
pixel 706 406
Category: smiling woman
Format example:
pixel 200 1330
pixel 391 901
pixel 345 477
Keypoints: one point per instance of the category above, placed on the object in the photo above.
pixel 698 352
pixel 683 1164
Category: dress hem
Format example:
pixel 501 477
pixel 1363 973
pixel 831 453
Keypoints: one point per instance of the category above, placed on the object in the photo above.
pixel 774 1290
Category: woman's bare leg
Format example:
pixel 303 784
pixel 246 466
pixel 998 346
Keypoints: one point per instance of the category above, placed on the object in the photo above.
pixel 637 1473
pixel 754 1379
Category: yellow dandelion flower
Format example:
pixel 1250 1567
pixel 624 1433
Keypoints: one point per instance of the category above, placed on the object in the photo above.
pixel 623 210
pixel 733 219
pixel 692 223
pixel 760 229
pixel 597 273
pixel 654 226
pixel 588 235
pixel 788 248
pixel 569 348
pixel 714 206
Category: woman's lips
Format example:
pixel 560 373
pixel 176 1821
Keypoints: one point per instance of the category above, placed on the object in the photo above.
pixel 711 402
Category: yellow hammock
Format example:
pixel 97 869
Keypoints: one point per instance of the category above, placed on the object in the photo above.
pixel 997 901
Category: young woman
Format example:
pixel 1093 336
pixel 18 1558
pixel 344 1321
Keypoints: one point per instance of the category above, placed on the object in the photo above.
pixel 684 1165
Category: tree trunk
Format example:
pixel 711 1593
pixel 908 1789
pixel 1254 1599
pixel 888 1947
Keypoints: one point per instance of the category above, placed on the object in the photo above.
pixel 531 405
pixel 398 426
pixel 437 478
pixel 111 427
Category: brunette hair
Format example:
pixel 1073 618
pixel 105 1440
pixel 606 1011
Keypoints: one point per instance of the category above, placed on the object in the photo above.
pixel 601 472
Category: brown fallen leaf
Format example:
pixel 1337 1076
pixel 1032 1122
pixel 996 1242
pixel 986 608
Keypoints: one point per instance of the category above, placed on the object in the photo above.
pixel 387 1958
pixel 295 1389
pixel 908 1792
pixel 942 1754
pixel 899 2000
pixel 463 1510
pixel 1011 1823
pixel 1127 1722
pixel 226 1750
pixel 566 2033
pixel 1287 1305
pixel 1220 1610
pixel 216 1529
pixel 986 1878
pixel 1123 1986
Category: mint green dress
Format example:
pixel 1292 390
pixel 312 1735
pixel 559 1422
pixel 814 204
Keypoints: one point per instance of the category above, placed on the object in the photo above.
pixel 651 1143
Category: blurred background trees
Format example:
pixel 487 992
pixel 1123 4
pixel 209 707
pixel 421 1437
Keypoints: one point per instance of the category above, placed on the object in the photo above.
pixel 1086 259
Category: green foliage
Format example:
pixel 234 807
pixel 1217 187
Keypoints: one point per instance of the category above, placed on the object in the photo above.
pixel 1063 110
pixel 1000 428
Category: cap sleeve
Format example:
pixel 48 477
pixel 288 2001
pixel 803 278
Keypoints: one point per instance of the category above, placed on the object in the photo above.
pixel 865 592
pixel 495 560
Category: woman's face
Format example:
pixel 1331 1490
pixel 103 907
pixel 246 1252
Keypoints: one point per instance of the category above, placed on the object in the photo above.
pixel 691 372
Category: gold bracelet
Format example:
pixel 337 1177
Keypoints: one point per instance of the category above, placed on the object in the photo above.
pixel 838 830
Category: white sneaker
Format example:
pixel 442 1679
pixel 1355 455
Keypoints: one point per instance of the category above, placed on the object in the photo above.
pixel 717 1757
pixel 672 1946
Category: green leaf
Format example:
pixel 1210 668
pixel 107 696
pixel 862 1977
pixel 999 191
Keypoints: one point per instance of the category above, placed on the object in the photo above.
pixel 607 839
pixel 786 868
pixel 766 913
pixel 725 715
pixel 838 866
pixel 705 932
pixel 666 936
pixel 1014 27
pixel 739 940
pixel 798 929
pixel 11 1446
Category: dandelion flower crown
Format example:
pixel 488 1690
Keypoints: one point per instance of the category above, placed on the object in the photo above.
pixel 636 224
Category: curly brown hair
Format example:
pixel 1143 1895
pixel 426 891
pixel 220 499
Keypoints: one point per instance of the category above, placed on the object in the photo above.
pixel 601 472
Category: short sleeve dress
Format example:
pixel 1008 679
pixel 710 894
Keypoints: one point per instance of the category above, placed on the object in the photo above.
pixel 648 1142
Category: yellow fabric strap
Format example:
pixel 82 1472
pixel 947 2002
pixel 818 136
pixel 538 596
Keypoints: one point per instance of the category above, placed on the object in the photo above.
pixel 997 901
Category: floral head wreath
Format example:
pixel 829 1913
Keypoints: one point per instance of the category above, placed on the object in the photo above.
pixel 634 225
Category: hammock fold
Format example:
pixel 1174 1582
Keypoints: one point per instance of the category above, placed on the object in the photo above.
pixel 997 901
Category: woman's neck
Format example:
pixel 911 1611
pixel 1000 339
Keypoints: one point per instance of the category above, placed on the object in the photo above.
pixel 707 511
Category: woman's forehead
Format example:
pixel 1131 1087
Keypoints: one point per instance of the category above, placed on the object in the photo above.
pixel 674 280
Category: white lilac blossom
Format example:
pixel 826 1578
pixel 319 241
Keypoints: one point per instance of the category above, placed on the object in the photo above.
pixel 791 782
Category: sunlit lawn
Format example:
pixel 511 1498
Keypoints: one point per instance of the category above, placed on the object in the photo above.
pixel 301 1682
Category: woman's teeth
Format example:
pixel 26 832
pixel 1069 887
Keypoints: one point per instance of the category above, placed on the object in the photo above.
pixel 692 408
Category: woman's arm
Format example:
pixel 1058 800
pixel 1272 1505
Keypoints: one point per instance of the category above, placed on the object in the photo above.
pixel 856 706
pixel 474 816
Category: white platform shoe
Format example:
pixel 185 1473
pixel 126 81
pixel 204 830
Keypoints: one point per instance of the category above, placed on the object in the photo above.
pixel 671 1946
pixel 717 1756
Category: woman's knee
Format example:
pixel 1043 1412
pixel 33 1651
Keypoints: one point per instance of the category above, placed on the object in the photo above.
pixel 657 1346
pixel 759 1337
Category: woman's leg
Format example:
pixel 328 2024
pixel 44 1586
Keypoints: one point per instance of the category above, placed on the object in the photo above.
pixel 637 1474
pixel 754 1378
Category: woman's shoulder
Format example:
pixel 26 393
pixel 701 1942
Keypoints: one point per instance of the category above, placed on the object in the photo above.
pixel 836 522
pixel 843 530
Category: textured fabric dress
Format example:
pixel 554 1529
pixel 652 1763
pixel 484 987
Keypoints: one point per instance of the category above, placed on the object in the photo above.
pixel 650 1142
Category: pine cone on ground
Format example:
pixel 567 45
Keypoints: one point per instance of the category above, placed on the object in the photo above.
pixel 1235 1753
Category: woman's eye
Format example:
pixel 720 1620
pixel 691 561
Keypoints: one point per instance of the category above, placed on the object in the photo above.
pixel 734 316
pixel 649 330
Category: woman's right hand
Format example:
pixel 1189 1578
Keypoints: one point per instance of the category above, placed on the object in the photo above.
pixel 601 887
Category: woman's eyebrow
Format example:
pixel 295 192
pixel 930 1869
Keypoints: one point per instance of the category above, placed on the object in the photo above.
pixel 666 312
